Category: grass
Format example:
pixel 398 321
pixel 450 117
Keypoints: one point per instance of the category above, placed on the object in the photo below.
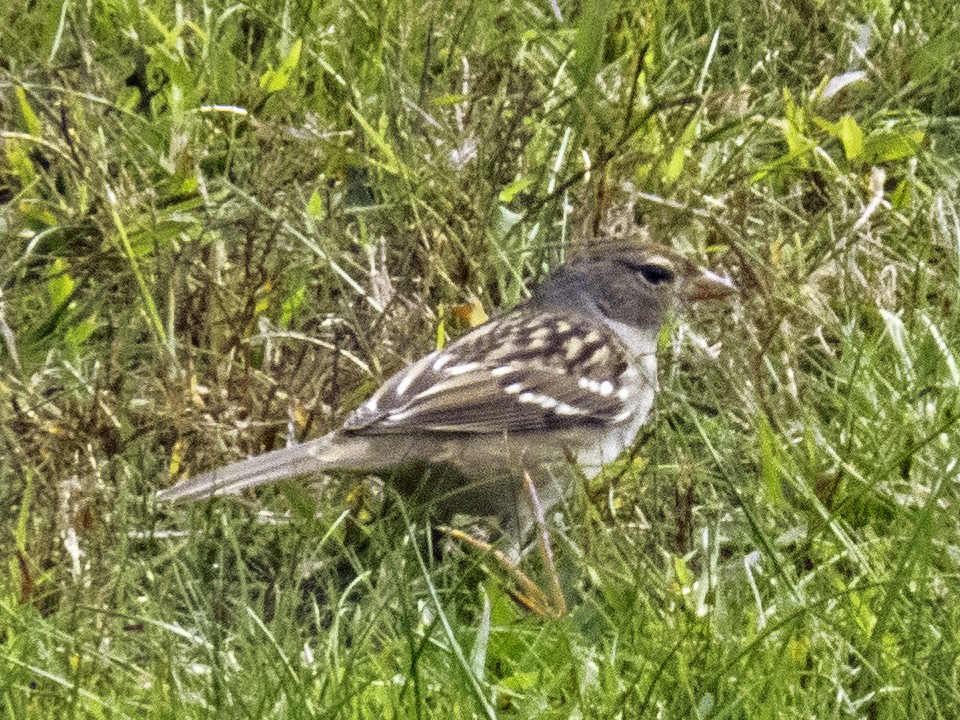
pixel 224 225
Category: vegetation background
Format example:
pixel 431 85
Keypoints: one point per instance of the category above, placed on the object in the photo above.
pixel 224 223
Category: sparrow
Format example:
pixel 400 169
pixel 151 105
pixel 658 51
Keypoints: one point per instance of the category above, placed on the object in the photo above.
pixel 567 377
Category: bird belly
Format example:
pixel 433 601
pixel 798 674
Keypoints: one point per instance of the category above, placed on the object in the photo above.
pixel 609 443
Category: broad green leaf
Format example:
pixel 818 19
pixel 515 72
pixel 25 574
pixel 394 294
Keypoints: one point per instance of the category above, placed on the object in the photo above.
pixel 276 80
pixel 847 131
pixel 862 612
pixel 850 134
pixel 891 145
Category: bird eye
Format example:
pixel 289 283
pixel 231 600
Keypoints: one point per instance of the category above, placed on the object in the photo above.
pixel 655 274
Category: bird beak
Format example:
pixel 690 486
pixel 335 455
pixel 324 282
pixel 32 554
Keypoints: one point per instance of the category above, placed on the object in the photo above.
pixel 709 286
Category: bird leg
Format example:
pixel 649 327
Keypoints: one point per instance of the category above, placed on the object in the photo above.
pixel 548 603
pixel 557 603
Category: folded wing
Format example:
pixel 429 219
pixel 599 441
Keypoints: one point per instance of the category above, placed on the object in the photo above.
pixel 515 374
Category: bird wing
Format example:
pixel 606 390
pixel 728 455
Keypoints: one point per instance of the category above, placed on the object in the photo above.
pixel 515 374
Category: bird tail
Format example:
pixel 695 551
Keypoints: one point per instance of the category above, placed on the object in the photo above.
pixel 330 452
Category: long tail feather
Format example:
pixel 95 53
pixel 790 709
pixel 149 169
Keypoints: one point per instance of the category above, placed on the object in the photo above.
pixel 330 452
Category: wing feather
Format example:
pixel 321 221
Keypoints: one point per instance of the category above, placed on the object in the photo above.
pixel 515 374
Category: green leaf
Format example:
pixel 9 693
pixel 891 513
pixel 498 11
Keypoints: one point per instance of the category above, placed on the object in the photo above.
pixel 78 333
pixel 935 56
pixel 449 99
pixel 891 145
pixel 26 505
pixel 769 465
pixel 514 188
pixel 18 160
pixel 60 285
pixel 291 304
pixel 588 45
pixel 847 131
pixel 378 138
pixel 794 125
pixel 441 333
pixel 315 205
pixel 850 134
pixel 863 615
pixel 276 80
pixel 263 304
pixel 521 681
pixel 902 194
pixel 30 119
pixel 679 155
pixel 685 578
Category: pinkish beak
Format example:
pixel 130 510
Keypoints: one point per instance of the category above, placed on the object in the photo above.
pixel 709 286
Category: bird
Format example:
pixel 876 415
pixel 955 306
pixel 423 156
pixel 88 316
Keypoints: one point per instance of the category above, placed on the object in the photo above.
pixel 568 377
